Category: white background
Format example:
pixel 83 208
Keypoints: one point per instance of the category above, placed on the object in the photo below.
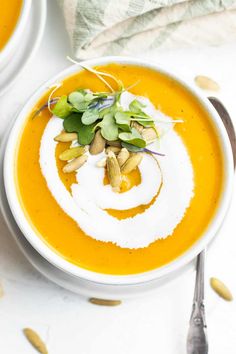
pixel 154 324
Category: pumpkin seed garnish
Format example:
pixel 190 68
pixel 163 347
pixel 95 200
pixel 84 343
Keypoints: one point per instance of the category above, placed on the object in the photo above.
pixel 114 149
pixel 98 143
pixel 123 156
pixel 113 170
pixel 206 83
pixel 103 302
pixel 72 153
pixel 149 135
pixel 132 163
pixel 75 164
pixel 221 289
pixel 66 137
pixel 98 119
pixel 35 340
pixel 115 143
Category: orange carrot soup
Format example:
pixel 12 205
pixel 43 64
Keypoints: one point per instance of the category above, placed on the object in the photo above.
pixel 9 14
pixel 122 176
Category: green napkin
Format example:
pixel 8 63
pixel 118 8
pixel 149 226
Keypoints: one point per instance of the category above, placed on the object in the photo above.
pixel 131 27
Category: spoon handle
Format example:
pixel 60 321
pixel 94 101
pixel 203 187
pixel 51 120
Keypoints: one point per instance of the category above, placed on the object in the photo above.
pixel 197 342
pixel 227 121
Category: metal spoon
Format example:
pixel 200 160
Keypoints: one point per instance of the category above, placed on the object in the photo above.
pixel 197 342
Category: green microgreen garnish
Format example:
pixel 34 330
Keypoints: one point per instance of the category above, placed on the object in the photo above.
pixel 131 148
pixel 73 124
pixel 109 128
pixel 133 138
pixel 90 116
pixel 84 112
pixel 100 75
pixel 62 108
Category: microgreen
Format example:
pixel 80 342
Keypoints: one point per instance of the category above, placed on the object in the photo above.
pixel 136 106
pixel 75 98
pixel 131 148
pixel 133 138
pixel 100 75
pixel 109 128
pixel 73 124
pixel 79 101
pixel 62 108
pixel 123 120
pixel 137 113
pixel 90 116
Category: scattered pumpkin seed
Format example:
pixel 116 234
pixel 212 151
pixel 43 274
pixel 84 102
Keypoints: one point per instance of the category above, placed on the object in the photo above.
pixel 66 137
pixel 114 149
pixel 206 83
pixel 103 302
pixel 123 156
pixel 116 143
pixel 35 340
pixel 149 135
pixel 132 162
pixel 102 162
pixel 113 170
pixel 98 143
pixel 221 289
pixel 75 164
pixel 72 153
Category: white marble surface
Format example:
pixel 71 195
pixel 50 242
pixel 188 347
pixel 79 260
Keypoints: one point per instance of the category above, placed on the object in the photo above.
pixel 154 324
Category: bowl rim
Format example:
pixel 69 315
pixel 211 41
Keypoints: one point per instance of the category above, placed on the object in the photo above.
pixel 17 31
pixel 75 270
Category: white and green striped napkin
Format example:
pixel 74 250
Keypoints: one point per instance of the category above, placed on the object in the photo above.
pixel 131 27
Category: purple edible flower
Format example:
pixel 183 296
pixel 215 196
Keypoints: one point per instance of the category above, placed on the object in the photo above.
pixel 52 101
pixel 153 152
pixel 103 104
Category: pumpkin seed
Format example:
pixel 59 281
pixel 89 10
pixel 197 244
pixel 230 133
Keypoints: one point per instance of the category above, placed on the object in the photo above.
pixel 66 137
pixel 114 149
pixel 221 289
pixel 149 135
pixel 103 302
pixel 72 153
pixel 98 143
pixel 206 83
pixel 123 156
pixel 116 143
pixel 113 170
pixel 75 164
pixel 102 162
pixel 35 340
pixel 132 163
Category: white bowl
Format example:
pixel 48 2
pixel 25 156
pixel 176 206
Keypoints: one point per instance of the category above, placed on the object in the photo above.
pixel 16 38
pixel 129 283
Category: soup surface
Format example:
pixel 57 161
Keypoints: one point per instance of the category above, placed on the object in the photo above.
pixel 62 233
pixel 9 14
